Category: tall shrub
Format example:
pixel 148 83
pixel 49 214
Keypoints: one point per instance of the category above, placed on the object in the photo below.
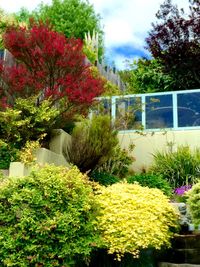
pixel 46 219
pixel 93 142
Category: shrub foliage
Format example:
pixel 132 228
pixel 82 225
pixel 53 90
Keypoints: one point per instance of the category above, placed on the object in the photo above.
pixel 151 181
pixel 8 153
pixel 118 164
pixel 194 202
pixel 179 167
pixel 25 121
pixel 134 218
pixel 104 178
pixel 46 218
pixel 93 142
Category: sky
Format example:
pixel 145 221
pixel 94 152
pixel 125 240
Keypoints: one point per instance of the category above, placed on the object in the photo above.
pixel 125 22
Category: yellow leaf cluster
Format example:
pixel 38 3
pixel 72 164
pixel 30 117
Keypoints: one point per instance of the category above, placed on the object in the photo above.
pixel 134 218
pixel 27 153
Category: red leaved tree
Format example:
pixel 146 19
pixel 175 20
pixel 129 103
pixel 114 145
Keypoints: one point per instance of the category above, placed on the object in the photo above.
pixel 175 41
pixel 50 66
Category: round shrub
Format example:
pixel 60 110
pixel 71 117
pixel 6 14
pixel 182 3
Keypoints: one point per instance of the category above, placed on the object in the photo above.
pixel 151 181
pixel 47 218
pixel 133 218
pixel 193 202
pixel 104 178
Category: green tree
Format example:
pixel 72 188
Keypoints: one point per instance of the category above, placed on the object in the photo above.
pixel 5 20
pixel 24 15
pixel 146 76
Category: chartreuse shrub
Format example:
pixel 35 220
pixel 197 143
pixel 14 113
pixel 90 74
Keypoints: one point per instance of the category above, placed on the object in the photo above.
pixel 134 218
pixel 152 181
pixel 193 201
pixel 46 218
pixel 179 167
pixel 26 121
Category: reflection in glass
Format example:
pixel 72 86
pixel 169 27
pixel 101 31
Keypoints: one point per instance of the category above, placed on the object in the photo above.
pixel 1 54
pixel 188 109
pixel 102 107
pixel 159 112
pixel 128 113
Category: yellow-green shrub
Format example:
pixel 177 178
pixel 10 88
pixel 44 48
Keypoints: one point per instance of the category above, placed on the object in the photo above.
pixel 46 218
pixel 134 218
pixel 193 202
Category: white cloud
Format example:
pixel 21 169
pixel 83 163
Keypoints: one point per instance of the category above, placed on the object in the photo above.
pixel 128 21
pixel 15 5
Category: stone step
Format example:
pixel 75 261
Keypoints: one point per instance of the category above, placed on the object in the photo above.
pixel 186 241
pixel 190 256
pixel 168 264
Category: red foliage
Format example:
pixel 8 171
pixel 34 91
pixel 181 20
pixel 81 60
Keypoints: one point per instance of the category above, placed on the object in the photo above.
pixel 174 41
pixel 48 64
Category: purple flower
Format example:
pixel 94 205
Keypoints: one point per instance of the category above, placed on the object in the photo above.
pixel 181 190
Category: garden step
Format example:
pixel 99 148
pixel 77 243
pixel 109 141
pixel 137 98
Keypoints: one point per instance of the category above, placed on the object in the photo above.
pixel 187 241
pixel 168 264
pixel 179 256
pixel 189 255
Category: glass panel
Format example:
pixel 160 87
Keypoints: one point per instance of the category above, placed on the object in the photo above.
pixel 188 109
pixel 1 54
pixel 128 113
pixel 102 106
pixel 159 112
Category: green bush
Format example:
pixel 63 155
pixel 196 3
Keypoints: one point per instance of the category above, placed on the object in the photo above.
pixel 104 178
pixel 47 218
pixel 151 181
pixel 133 218
pixel 93 142
pixel 193 201
pixel 180 167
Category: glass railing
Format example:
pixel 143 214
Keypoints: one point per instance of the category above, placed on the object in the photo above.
pixel 156 111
